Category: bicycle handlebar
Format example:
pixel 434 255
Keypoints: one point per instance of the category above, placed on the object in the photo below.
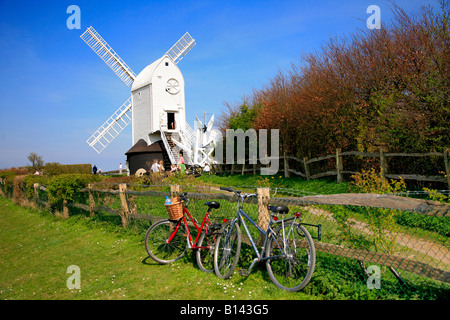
pixel 238 192
pixel 227 189
pixel 183 196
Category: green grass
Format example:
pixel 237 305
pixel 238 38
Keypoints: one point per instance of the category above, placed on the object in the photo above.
pixel 319 186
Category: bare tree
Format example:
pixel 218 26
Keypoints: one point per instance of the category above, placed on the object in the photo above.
pixel 36 161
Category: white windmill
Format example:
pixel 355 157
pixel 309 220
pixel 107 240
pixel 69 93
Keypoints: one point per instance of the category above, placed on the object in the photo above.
pixel 156 107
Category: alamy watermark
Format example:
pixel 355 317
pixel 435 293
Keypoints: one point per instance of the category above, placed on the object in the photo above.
pixel 374 280
pixel 257 148
pixel 74 20
pixel 74 280
pixel 374 21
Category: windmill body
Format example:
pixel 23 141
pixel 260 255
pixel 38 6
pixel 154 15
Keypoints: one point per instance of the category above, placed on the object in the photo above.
pixel 158 101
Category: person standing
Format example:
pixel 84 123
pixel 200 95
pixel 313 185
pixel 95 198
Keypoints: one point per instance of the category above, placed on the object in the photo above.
pixel 181 165
pixel 94 169
pixel 155 166
pixel 161 167
pixel 120 168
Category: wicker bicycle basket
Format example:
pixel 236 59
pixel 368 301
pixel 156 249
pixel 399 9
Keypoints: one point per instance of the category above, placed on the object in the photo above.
pixel 175 209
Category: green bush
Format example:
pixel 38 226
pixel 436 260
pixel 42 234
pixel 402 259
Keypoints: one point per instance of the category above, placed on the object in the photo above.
pixel 67 186
pixel 29 182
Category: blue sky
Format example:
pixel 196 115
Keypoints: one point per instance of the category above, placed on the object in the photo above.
pixel 55 91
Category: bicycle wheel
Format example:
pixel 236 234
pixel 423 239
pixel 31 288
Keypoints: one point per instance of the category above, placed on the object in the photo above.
pixel 157 246
pixel 227 250
pixel 294 267
pixel 205 254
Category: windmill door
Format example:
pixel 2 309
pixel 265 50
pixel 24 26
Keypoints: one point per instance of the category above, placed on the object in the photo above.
pixel 171 120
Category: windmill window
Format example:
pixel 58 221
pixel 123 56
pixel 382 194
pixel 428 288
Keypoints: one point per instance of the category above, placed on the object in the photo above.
pixel 167 64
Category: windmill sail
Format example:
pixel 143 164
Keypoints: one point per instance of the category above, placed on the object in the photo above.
pixel 111 128
pixel 108 55
pixel 181 48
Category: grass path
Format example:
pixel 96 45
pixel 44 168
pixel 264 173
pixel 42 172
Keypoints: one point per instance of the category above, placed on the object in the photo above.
pixel 36 249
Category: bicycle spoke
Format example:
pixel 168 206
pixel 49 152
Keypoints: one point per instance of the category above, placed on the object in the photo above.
pixel 158 245
pixel 226 254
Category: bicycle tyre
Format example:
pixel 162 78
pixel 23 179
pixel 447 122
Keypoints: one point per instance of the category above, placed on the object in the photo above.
pixel 156 242
pixel 227 250
pixel 205 256
pixel 293 271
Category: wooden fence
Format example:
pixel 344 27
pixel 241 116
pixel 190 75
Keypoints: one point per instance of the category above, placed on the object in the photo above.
pixel 263 199
pixel 302 167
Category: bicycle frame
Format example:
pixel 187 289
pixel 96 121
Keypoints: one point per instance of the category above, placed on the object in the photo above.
pixel 266 234
pixel 191 244
pixel 241 221
pixel 290 264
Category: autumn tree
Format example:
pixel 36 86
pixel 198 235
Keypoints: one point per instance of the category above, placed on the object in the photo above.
pixel 376 88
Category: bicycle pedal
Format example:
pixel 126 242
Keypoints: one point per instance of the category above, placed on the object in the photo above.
pixel 243 273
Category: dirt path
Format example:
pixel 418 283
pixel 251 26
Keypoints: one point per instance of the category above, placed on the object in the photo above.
pixel 423 246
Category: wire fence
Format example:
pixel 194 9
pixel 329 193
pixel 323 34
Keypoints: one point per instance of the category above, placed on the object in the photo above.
pixel 390 247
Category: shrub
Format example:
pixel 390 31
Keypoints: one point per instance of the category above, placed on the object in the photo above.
pixel 29 182
pixel 369 181
pixel 67 186
pixel 381 221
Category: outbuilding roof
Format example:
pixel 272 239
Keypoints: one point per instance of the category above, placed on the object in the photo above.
pixel 142 147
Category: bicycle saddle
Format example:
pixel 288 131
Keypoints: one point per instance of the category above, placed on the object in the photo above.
pixel 213 204
pixel 278 209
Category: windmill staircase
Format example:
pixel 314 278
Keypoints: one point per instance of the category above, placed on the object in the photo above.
pixel 185 137
pixel 171 148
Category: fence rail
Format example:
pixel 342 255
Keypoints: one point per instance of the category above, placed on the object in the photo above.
pixel 302 166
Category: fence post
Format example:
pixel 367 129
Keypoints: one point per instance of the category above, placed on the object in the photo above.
pixel 65 213
pixel 447 166
pixel 36 192
pixel 306 167
pixel 174 190
pixel 286 166
pixel 339 165
pixel 91 200
pixel 383 164
pixel 263 213
pixel 124 205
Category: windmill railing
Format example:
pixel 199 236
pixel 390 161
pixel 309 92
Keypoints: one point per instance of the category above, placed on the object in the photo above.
pixel 168 148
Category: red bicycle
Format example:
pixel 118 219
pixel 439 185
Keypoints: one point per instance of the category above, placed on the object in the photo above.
pixel 167 240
